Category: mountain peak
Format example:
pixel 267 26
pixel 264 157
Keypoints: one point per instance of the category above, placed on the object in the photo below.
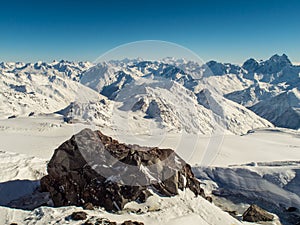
pixel 251 65
pixel 273 65
pixel 280 59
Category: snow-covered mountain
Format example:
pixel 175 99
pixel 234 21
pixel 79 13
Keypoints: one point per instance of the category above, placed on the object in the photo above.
pixel 275 70
pixel 274 81
pixel 156 87
pixel 282 110
pixel 66 68
pixel 39 87
pixel 152 90
pixel 138 96
pixel 144 103
pixel 255 93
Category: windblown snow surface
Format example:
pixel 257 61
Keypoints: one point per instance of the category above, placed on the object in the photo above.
pixel 235 171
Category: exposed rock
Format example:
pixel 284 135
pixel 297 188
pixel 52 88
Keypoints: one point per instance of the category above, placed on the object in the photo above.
pixel 145 194
pixel 129 222
pixel 232 213
pixel 88 206
pixel 78 215
pixel 209 198
pixel 257 214
pixel 94 168
pixel 104 221
pixel 292 209
pixel 99 221
pixel 88 222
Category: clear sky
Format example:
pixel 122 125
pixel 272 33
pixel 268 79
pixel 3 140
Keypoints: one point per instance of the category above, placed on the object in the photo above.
pixel 227 31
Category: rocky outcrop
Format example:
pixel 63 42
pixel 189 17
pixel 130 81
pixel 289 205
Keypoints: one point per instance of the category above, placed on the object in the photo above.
pixel 129 222
pixel 104 221
pixel 94 168
pixel 78 215
pixel 257 214
pixel 99 221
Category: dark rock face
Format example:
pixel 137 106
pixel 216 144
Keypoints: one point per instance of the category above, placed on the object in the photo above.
pixel 256 214
pixel 94 168
pixel 99 221
pixel 78 216
pixel 88 206
pixel 209 198
pixel 232 213
pixel 104 221
pixel 129 222
pixel 292 209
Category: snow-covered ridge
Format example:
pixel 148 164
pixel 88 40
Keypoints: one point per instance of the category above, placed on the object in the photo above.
pixel 282 110
pixel 50 87
pixel 33 88
pixel 67 68
pixel 268 87
pixel 118 82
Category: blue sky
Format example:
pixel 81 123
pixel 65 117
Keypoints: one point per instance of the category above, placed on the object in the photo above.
pixel 227 31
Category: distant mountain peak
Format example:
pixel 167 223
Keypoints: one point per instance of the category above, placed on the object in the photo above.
pixel 280 59
pixel 251 65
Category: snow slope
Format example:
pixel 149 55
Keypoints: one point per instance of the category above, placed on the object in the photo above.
pixel 24 180
pixel 273 186
pixel 40 87
pixel 258 146
pixel 152 90
pixel 283 110
pixel 20 176
pixel 182 209
pixel 255 93
pixel 39 135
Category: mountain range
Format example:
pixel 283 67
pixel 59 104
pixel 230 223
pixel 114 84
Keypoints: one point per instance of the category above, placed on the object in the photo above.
pixel 154 104
pixel 140 92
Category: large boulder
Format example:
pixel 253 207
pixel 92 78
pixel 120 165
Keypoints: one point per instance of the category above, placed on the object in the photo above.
pixel 94 168
pixel 257 214
pixel 129 222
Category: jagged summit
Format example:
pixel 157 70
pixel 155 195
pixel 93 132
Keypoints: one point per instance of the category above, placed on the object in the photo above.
pixel 281 59
pixel 274 65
